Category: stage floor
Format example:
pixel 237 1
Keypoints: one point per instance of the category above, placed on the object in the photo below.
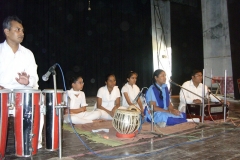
pixel 214 141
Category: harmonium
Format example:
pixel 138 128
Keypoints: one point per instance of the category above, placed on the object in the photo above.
pixel 212 111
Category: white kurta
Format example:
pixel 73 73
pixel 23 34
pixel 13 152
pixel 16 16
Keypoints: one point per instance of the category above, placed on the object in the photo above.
pixel 132 92
pixel 75 103
pixel 12 63
pixel 187 98
pixel 108 100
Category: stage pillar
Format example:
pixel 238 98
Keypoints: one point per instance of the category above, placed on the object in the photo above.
pixel 216 39
pixel 161 36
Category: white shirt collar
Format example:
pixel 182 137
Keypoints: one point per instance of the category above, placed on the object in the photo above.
pixel 9 48
pixel 199 85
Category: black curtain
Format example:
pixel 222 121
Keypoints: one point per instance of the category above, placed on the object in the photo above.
pixel 234 25
pixel 114 37
pixel 186 41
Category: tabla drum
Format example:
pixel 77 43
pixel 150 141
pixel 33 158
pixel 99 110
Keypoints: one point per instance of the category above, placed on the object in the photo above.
pixel 51 124
pixel 4 103
pixel 126 121
pixel 26 121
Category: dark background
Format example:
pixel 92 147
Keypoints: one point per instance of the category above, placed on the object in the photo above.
pixel 114 37
pixel 234 31
pixel 186 40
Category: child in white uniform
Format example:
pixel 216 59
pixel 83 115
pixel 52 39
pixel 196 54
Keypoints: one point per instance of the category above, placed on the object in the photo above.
pixel 130 91
pixel 108 98
pixel 78 113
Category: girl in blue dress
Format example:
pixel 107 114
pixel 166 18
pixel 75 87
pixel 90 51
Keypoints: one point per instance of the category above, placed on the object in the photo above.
pixel 158 96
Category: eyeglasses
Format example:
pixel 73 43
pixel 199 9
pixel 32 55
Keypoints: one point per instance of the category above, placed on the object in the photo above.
pixel 80 82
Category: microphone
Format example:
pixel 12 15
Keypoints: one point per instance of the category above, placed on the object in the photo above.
pixel 212 78
pixel 50 70
pixel 208 77
pixel 170 81
pixel 143 90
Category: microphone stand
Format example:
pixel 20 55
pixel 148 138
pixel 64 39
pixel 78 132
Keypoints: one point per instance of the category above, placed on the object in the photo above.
pixel 203 93
pixel 148 109
pixel 59 113
pixel 139 95
pixel 211 79
pixel 203 104
pixel 225 94
pixel 151 113
pixel 225 99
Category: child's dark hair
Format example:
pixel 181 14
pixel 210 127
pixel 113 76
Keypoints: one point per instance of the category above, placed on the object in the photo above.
pixel 109 75
pixel 130 74
pixel 156 73
pixel 73 80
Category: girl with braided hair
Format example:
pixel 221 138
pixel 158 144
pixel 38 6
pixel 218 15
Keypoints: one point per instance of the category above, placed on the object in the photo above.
pixel 158 96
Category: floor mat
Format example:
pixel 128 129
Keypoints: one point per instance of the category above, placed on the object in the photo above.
pixel 109 138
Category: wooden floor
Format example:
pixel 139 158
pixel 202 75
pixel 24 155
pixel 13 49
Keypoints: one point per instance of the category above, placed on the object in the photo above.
pixel 214 141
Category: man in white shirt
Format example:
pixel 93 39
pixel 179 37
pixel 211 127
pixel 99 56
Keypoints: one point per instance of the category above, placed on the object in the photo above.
pixel 194 85
pixel 18 68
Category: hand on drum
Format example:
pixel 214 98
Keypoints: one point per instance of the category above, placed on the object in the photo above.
pixel 197 101
pixel 112 111
pixel 83 109
pixel 23 78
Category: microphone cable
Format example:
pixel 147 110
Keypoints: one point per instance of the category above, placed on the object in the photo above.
pixel 227 106
pixel 86 146
pixel 209 112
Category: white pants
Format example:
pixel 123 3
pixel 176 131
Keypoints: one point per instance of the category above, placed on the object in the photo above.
pixel 105 115
pixel 83 117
